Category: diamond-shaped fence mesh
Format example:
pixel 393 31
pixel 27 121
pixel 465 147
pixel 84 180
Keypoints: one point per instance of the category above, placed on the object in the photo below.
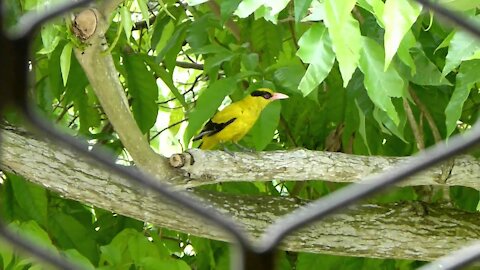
pixel 14 55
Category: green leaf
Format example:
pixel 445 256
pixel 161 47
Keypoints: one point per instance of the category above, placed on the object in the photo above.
pixel 31 198
pixel 55 73
pixel 217 60
pixel 76 257
pixel 207 104
pixel 462 46
pixel 408 43
pixel 173 45
pixel 289 76
pixel 195 2
pixel 197 32
pixel 398 16
pixel 70 233
pixel 250 61
pixel 143 90
pixel 345 34
pixel 65 59
pixel 461 5
pixel 270 10
pixel 316 12
pixel 33 232
pixel 381 85
pixel 316 49
pixel 428 73
pixel 88 115
pixel 116 252
pixel 166 77
pixel 307 261
pixel 152 263
pixel 446 42
pixel 247 7
pixel 263 130
pixel 466 78
pixel 300 8
pixel 126 21
pixel 142 4
pixel 50 38
pixel 228 7
pixel 266 40
pixel 362 127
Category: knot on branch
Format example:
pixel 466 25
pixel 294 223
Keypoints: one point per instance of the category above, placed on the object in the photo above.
pixel 181 159
pixel 85 24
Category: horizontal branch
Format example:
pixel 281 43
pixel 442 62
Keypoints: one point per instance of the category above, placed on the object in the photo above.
pixel 299 165
pixel 381 231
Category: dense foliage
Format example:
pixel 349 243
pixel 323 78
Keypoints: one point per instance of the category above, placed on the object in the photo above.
pixel 366 77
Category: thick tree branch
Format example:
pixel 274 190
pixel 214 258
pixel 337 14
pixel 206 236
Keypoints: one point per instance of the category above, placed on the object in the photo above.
pixel 300 165
pixel 388 231
pixel 103 77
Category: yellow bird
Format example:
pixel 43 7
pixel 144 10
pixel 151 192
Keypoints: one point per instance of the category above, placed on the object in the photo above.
pixel 233 123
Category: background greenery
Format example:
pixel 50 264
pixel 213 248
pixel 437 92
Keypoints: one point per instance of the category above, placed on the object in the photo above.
pixel 366 77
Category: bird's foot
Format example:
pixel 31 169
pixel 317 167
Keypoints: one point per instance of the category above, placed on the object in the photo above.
pixel 244 148
pixel 226 150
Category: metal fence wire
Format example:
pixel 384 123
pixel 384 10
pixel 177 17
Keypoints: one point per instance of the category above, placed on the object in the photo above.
pixel 14 55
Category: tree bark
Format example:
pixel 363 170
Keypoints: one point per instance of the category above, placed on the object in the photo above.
pixel 301 165
pixel 382 231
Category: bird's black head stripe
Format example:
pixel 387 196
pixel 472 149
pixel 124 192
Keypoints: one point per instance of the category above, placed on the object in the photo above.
pixel 259 93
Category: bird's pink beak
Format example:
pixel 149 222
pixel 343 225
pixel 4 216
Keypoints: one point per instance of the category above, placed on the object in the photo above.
pixel 278 96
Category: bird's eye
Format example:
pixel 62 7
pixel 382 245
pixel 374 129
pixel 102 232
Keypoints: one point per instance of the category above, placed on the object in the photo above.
pixel 263 94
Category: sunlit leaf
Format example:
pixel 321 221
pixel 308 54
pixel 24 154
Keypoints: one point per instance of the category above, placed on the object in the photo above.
pixel 50 38
pixel 195 2
pixel 461 5
pixel 300 7
pixel 143 90
pixel 398 17
pixel 466 78
pixel 381 86
pixel 345 34
pixel 126 21
pixel 247 7
pixel 142 4
pixel 65 59
pixel 315 49
pixel 462 46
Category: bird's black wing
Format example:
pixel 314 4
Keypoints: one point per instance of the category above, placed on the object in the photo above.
pixel 212 128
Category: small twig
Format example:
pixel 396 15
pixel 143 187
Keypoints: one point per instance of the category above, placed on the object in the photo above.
pixel 72 121
pixel 58 105
pixel 172 108
pixel 428 116
pixel 417 133
pixel 288 132
pixel 229 24
pixel 291 25
pixel 172 125
pixel 358 15
pixel 447 166
pixel 62 114
pixel 189 65
pixel 143 24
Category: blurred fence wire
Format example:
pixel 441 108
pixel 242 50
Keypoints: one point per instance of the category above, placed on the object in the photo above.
pixel 14 55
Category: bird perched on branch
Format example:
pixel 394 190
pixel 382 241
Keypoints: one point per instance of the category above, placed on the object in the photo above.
pixel 233 122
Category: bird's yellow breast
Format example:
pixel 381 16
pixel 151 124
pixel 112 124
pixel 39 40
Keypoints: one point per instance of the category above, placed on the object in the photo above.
pixel 245 112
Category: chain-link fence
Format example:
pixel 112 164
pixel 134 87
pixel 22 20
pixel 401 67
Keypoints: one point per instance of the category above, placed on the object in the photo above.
pixel 14 55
